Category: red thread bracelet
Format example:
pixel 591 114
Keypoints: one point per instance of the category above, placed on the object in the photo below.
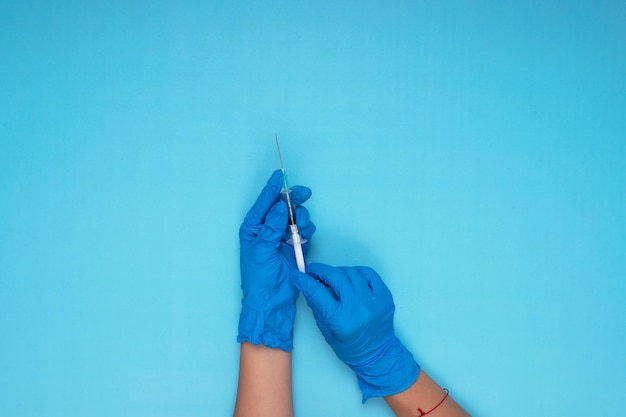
pixel 422 413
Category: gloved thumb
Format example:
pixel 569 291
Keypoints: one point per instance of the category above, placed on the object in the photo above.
pixel 318 297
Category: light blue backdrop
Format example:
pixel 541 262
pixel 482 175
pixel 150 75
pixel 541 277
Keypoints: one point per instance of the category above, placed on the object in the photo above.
pixel 472 152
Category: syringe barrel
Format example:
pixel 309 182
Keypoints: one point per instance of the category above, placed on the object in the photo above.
pixel 299 257
pixel 297 242
pixel 295 235
pixel 290 206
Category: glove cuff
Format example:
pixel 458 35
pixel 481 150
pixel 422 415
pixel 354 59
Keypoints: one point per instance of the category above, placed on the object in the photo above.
pixel 269 326
pixel 392 371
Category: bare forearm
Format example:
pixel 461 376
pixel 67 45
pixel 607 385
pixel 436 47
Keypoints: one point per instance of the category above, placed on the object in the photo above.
pixel 264 382
pixel 422 397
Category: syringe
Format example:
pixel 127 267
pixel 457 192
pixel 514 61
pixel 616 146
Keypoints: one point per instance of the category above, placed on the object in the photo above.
pixel 295 240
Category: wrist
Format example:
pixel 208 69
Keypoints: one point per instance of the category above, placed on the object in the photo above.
pixel 392 371
pixel 269 325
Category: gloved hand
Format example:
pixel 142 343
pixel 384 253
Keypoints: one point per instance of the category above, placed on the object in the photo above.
pixel 268 305
pixel 354 310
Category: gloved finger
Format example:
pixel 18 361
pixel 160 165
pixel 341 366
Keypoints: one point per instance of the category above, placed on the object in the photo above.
pixel 302 216
pixel 380 292
pixel 374 281
pixel 264 202
pixel 335 278
pixel 305 226
pixel 316 294
pixel 303 220
pixel 298 194
pixel 275 222
pixel 361 277
pixel 307 231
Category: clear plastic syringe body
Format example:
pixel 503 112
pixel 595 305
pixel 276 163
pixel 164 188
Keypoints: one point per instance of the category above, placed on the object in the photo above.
pixel 295 240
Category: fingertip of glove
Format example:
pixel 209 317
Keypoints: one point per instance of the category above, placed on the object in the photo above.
pixel 299 194
pixel 296 277
pixel 276 176
pixel 278 209
pixel 304 282
pixel 275 181
pixel 316 267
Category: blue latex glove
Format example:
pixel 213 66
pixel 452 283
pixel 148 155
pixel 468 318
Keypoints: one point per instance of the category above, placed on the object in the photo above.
pixel 268 305
pixel 354 310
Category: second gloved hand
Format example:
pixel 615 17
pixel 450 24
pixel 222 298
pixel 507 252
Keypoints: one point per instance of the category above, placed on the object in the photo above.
pixel 354 310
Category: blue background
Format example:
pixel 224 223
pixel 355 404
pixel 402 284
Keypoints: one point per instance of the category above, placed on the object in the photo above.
pixel 472 152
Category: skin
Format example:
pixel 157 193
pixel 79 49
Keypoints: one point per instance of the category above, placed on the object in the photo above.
pixel 424 394
pixel 264 382
pixel 265 389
